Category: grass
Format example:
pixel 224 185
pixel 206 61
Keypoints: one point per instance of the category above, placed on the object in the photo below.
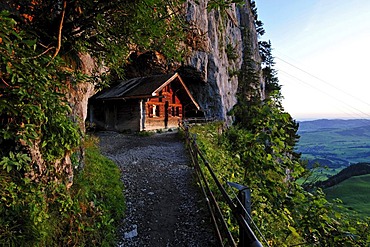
pixel 320 174
pixel 98 189
pixel 49 214
pixel 354 193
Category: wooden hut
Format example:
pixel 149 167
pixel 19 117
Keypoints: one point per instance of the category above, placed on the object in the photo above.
pixel 145 103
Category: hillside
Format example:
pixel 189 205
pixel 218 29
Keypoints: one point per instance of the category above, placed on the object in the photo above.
pixel 359 201
pixel 335 143
pixel 322 124
pixel 349 172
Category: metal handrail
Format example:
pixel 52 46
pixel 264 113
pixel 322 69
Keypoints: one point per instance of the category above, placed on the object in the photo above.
pixel 247 236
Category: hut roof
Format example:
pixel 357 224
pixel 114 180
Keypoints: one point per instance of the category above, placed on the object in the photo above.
pixel 145 87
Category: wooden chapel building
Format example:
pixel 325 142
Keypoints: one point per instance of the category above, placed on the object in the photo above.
pixel 144 103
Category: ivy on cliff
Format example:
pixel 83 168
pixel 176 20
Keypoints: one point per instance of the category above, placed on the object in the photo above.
pixel 262 141
pixel 40 47
pixel 37 135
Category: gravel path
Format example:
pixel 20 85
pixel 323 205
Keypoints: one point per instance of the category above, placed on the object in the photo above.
pixel 164 206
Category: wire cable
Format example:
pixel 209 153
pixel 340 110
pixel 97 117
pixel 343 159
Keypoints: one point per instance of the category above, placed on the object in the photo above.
pixel 354 110
pixel 327 83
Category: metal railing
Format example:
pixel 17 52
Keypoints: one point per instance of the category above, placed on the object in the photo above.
pixel 240 207
pixel 198 120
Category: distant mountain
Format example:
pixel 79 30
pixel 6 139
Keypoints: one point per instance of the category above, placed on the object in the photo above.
pixel 330 124
pixel 351 171
pixel 334 143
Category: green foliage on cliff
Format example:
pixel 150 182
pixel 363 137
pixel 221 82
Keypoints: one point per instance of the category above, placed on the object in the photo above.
pixel 258 151
pixel 33 109
pixel 45 199
pixel 223 4
pixel 47 214
pixel 286 214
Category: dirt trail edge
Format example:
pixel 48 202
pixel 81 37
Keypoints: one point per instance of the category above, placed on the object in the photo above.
pixel 164 206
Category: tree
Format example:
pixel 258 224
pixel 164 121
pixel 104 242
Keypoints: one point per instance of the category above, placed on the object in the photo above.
pixel 263 139
pixel 107 30
pixel 42 47
pixel 269 74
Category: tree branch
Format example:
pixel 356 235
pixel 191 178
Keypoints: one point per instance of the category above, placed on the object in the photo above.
pixel 60 30
pixel 44 52
pixel 6 84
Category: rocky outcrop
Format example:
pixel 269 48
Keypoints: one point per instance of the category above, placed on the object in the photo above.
pixel 218 45
pixel 79 93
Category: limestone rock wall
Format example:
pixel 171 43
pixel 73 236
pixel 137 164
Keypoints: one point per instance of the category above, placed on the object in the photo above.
pixel 79 94
pixel 217 42
pixel 217 47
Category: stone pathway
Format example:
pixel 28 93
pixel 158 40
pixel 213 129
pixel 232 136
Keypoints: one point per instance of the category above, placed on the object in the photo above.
pixel 164 205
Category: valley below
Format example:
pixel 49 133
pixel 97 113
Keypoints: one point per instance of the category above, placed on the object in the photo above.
pixel 335 143
pixel 333 150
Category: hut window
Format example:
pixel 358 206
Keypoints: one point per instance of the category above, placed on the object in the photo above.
pixel 173 111
pixel 154 109
pixel 177 111
pixel 160 96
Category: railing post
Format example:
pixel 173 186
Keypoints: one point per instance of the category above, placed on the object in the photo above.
pixel 241 211
pixel 244 196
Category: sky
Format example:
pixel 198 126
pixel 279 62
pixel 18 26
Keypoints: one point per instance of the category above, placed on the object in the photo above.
pixel 322 55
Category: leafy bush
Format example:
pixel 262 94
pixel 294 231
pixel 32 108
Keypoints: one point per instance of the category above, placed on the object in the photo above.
pixel 285 213
pixel 87 214
pixel 40 47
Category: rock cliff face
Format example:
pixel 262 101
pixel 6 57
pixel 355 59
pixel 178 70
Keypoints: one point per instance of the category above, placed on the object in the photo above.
pixel 79 94
pixel 219 40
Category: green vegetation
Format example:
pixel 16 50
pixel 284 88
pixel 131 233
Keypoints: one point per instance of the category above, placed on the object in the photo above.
pixel 334 143
pixel 230 52
pixel 285 213
pixel 258 151
pixel 346 185
pixel 319 174
pixel 86 215
pixel 222 4
pixel 48 197
pixel 354 193
pixel 353 170
pixel 99 192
